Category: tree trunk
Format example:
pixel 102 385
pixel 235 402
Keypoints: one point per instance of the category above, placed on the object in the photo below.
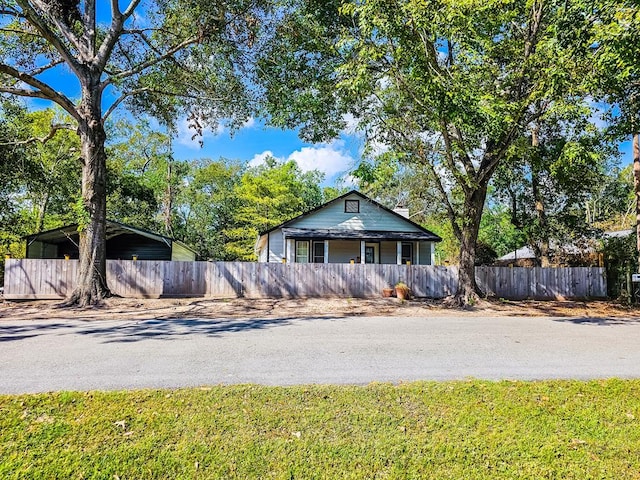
pixel 636 188
pixel 542 246
pixel 168 200
pixel 42 209
pixel 91 285
pixel 468 291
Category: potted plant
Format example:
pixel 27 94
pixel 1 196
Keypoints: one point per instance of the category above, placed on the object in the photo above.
pixel 402 291
pixel 387 291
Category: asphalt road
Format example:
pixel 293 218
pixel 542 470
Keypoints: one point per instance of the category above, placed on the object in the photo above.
pixel 37 356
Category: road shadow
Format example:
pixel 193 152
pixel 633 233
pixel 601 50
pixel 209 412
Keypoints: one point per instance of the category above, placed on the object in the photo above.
pixel 172 328
pixel 147 329
pixel 599 321
pixel 10 333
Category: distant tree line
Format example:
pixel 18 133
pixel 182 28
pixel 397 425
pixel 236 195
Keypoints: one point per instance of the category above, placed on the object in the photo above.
pixel 216 206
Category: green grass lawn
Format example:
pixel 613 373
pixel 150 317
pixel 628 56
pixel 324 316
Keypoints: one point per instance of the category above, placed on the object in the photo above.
pixel 462 430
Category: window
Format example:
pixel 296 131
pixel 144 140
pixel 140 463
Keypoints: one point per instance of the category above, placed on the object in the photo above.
pixel 302 251
pixel 318 252
pixel 352 206
pixel 407 253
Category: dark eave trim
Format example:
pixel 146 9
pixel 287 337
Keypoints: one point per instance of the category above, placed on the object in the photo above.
pixel 336 234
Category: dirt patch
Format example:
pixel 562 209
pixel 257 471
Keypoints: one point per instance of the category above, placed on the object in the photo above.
pixel 132 309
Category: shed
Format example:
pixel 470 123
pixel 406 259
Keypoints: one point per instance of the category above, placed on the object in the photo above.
pixel 123 242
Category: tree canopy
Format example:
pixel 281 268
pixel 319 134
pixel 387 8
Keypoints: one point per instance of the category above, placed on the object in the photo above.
pixel 165 58
pixel 448 85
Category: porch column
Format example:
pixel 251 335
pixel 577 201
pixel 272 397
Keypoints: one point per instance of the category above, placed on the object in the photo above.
pixel 362 250
pixel 418 253
pixel 285 250
pixel 326 251
pixel 291 250
pixel 399 253
pixel 433 253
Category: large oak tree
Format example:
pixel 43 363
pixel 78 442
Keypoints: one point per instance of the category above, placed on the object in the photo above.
pixel 610 38
pixel 447 84
pixel 166 58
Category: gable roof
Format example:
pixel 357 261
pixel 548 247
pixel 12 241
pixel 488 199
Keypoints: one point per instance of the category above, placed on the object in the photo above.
pixel 428 234
pixel 113 229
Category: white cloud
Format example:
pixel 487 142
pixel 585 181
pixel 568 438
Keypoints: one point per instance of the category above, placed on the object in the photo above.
pixel 349 181
pixel 260 158
pixel 377 147
pixel 189 138
pixel 331 159
pixel 351 127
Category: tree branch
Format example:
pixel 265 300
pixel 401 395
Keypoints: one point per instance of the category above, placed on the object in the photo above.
pixel 63 28
pixel 141 31
pixel 450 160
pixel 37 21
pixel 120 99
pixel 13 13
pixel 42 140
pixel 117 24
pixel 89 20
pixel 143 66
pixel 451 213
pixel 19 32
pixel 406 144
pixel 44 68
pixel 464 153
pixel 42 90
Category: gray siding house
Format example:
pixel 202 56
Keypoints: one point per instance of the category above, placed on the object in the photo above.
pixel 350 228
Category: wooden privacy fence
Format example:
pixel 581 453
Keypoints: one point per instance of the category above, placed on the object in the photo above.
pixel 51 279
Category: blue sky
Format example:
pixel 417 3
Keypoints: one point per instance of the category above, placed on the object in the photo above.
pixel 255 141
pixel 251 144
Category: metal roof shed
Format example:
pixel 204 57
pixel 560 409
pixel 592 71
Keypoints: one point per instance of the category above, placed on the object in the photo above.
pixel 123 242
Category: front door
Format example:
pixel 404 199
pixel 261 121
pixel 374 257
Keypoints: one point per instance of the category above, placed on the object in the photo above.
pixel 407 253
pixel 371 253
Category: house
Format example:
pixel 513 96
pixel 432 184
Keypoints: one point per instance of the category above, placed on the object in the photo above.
pixel 349 229
pixel 585 253
pixel 123 242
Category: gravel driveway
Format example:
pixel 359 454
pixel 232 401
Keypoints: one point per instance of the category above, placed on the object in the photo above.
pixel 42 355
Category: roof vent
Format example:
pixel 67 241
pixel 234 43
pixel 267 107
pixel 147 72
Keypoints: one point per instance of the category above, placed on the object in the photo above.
pixel 402 211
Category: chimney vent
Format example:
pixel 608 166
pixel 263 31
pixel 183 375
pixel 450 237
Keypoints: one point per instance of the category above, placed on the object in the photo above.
pixel 402 211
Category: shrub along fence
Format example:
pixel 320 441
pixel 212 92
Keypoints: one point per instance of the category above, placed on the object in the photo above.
pixel 52 279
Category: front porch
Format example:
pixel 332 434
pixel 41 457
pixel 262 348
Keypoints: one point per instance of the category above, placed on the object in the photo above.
pixel 369 251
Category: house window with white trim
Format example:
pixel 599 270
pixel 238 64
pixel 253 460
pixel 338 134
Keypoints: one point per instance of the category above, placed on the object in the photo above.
pixel 302 251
